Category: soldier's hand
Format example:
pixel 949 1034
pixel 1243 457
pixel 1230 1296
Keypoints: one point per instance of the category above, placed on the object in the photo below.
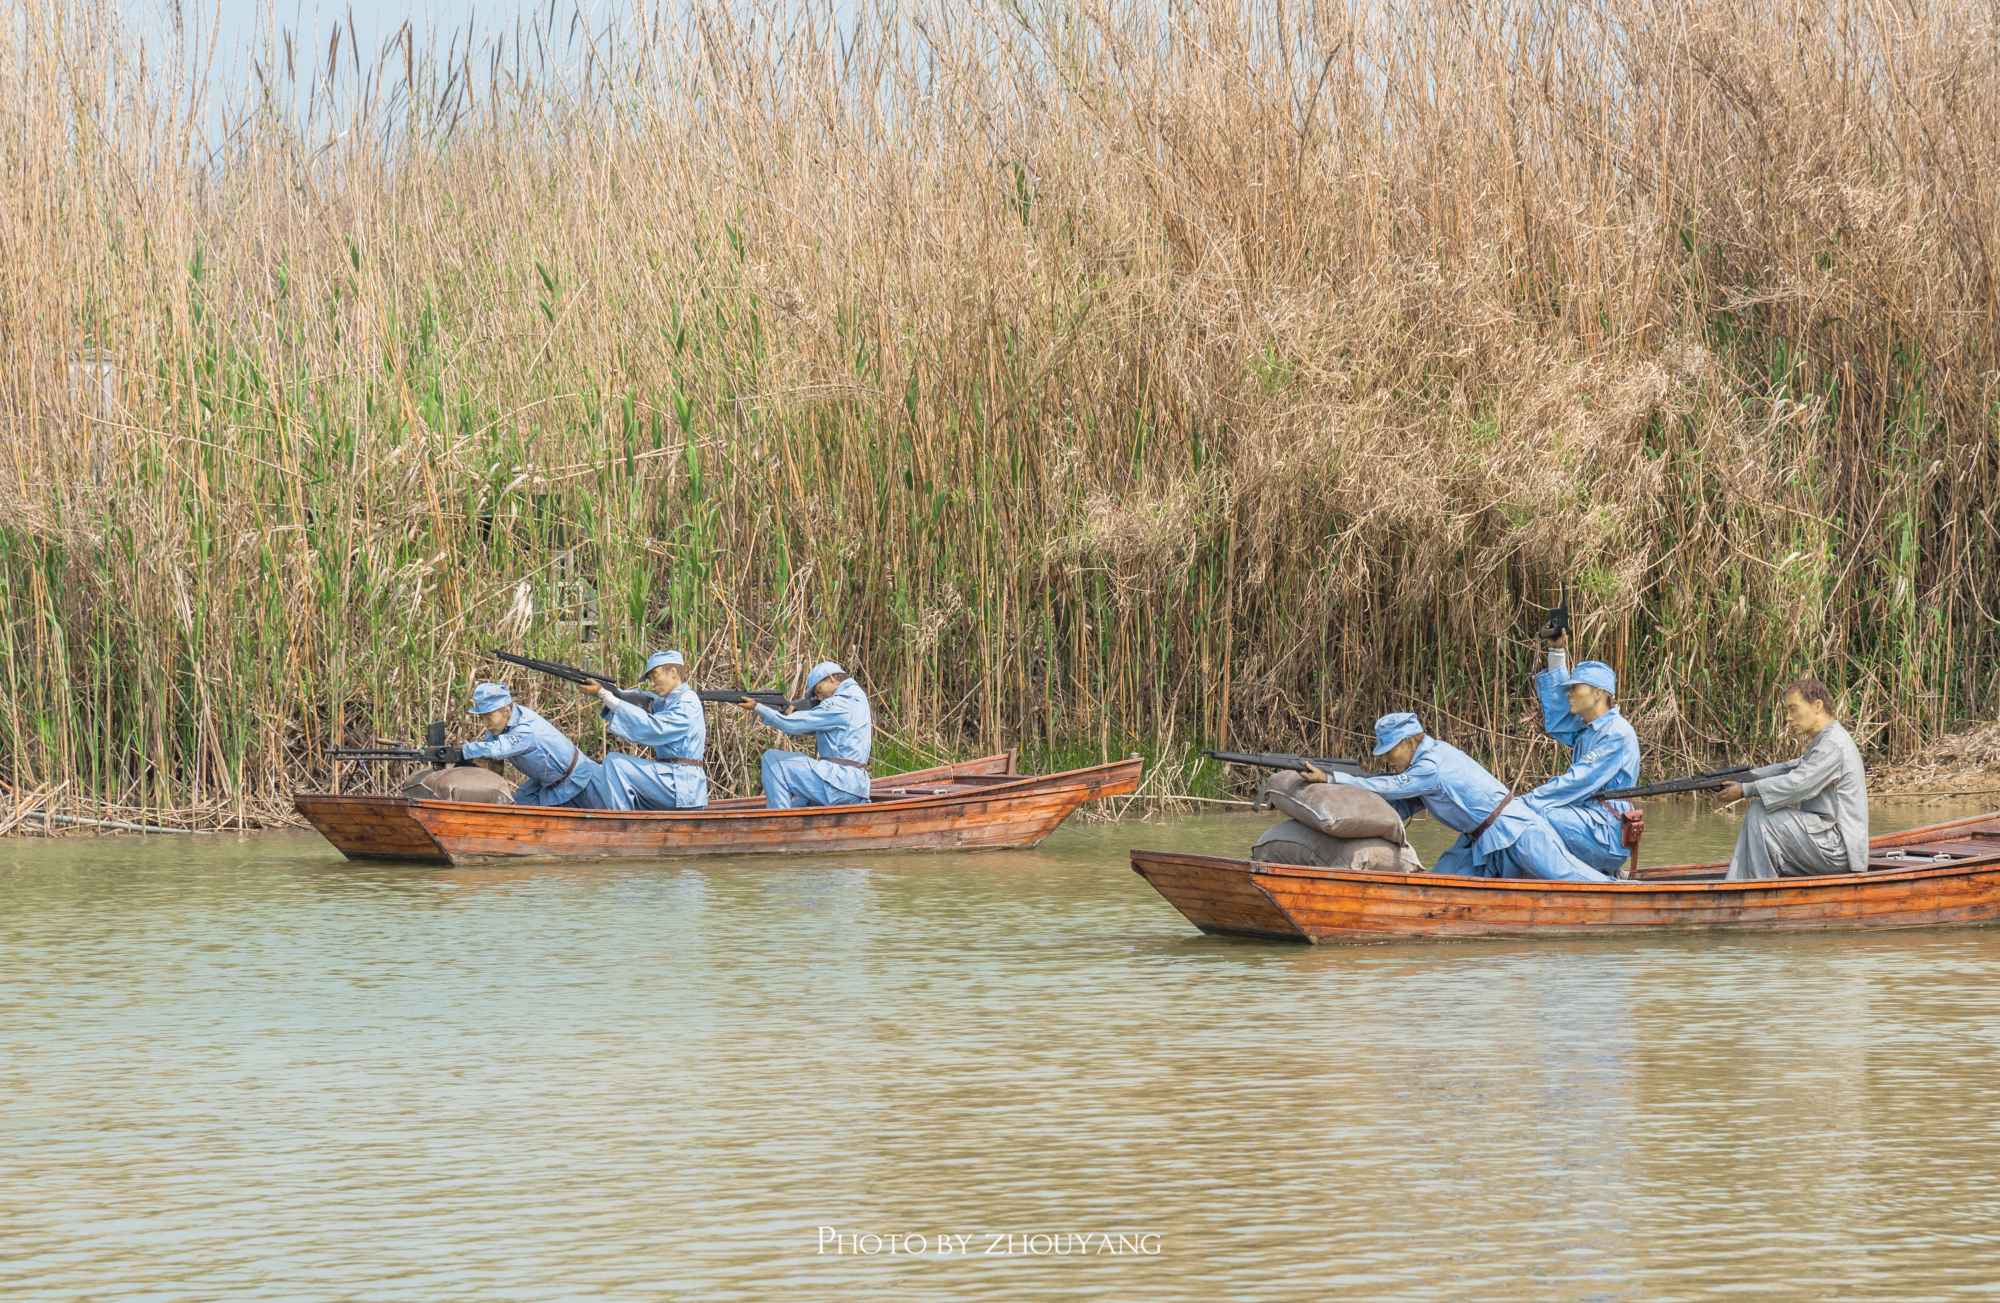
pixel 1313 775
pixel 747 706
pixel 1549 634
pixel 588 687
pixel 1731 792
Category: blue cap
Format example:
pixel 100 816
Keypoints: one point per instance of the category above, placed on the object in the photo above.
pixel 1391 729
pixel 658 659
pixel 819 672
pixel 1594 673
pixel 490 696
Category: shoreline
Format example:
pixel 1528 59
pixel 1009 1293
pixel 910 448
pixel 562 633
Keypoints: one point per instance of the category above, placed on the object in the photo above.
pixel 101 821
pixel 1955 766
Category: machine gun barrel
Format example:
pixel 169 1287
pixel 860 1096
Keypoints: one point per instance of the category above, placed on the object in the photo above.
pixel 433 751
pixel 1285 760
pixel 439 756
pixel 1703 782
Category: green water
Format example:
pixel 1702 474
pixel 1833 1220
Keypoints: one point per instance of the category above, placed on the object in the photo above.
pixel 246 1069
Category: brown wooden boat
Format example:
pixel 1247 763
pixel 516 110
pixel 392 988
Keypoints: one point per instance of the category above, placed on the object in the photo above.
pixel 976 804
pixel 1944 874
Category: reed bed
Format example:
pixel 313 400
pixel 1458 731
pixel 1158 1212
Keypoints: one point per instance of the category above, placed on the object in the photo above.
pixel 1089 378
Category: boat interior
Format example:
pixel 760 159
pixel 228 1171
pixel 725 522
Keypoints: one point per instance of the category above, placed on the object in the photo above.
pixel 890 789
pixel 1962 842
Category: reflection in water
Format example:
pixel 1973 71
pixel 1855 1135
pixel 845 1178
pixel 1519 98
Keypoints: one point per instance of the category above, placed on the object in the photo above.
pixel 244 1068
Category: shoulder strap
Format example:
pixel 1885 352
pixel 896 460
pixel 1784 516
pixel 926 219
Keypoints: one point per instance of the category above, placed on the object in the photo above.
pixel 1487 822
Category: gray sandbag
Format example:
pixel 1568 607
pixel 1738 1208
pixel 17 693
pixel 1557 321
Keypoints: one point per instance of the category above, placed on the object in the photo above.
pixel 1333 808
pixel 1292 842
pixel 460 783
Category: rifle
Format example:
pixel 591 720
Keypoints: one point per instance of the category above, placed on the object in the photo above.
pixel 1283 760
pixel 775 700
pixel 640 697
pixel 1705 782
pixel 433 750
pixel 571 674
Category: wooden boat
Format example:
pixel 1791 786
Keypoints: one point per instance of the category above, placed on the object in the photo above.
pixel 1946 873
pixel 979 803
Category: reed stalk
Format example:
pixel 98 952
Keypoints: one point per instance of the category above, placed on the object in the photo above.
pixel 1088 378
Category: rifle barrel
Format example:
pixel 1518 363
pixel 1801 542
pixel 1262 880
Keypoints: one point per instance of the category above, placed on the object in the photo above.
pixel 639 696
pixel 572 674
pixel 555 669
pixel 1703 782
pixel 763 697
pixel 1285 760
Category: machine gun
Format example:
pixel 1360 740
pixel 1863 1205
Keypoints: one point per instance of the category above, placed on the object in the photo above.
pixel 1283 760
pixel 433 751
pixel 640 697
pixel 1705 782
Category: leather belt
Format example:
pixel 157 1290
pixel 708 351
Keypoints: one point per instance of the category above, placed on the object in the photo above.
pixel 576 754
pixel 851 764
pixel 1487 822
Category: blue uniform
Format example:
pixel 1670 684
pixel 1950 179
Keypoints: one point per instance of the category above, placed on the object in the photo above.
pixel 1459 794
pixel 846 731
pixel 1604 754
pixel 676 729
pixel 558 771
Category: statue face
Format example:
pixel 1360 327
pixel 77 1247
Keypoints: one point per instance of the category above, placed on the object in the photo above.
pixel 1803 717
pixel 1399 756
pixel 1586 702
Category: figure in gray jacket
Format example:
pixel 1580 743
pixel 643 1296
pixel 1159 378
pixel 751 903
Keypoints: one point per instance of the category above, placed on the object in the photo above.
pixel 1809 816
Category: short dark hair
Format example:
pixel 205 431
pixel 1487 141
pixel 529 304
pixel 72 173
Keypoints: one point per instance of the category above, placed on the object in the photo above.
pixel 1811 690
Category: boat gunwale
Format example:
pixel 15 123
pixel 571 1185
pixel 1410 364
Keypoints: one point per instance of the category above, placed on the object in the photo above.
pixel 1012 787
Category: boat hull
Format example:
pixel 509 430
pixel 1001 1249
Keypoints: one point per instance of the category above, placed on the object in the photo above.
pixel 1298 903
pixel 976 806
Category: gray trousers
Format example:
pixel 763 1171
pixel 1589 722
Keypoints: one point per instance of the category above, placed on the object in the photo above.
pixel 1787 843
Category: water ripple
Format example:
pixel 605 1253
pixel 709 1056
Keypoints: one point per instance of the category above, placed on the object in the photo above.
pixel 248 1070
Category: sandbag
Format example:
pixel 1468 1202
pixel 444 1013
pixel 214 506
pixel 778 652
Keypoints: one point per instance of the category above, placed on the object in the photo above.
pixel 1292 842
pixel 1333 808
pixel 460 783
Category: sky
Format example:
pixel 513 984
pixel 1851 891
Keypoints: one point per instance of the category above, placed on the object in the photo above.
pixel 224 36
pixel 236 24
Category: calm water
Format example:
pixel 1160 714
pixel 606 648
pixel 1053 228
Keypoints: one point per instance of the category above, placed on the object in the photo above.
pixel 244 1069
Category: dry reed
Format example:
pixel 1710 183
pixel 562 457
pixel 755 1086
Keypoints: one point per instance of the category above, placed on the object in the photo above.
pixel 1091 378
